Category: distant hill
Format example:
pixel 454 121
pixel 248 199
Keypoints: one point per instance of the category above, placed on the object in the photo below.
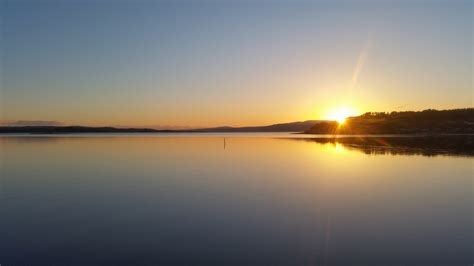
pixel 72 129
pixel 285 127
pixel 455 121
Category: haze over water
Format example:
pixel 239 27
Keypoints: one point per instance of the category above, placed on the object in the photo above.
pixel 182 200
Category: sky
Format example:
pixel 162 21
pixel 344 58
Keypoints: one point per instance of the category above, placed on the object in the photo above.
pixel 173 64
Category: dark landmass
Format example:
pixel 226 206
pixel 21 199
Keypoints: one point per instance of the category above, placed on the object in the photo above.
pixel 457 145
pixel 73 129
pixel 456 121
pixel 286 127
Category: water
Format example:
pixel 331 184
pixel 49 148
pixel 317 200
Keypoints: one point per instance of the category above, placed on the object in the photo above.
pixel 258 199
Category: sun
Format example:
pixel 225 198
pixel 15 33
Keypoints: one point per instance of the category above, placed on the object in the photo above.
pixel 340 118
pixel 341 114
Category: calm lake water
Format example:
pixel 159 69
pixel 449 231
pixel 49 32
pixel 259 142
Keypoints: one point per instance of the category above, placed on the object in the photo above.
pixel 255 199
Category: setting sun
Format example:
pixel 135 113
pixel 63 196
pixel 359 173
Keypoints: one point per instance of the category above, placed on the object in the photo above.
pixel 341 114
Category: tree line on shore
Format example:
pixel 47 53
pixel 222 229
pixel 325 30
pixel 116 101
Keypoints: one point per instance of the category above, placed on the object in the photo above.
pixel 430 121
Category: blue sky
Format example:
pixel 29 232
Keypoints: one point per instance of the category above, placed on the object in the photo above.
pixel 206 63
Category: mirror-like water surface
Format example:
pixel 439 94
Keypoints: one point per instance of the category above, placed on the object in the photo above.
pixel 197 200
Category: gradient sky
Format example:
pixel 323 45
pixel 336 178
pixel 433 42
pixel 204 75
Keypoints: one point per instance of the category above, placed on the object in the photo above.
pixel 209 63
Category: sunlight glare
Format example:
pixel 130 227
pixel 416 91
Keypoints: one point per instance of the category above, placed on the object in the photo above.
pixel 341 114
